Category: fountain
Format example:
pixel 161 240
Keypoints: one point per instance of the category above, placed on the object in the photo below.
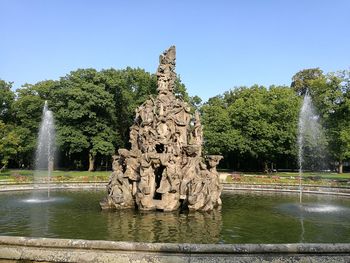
pixel 164 169
pixel 44 157
pixel 311 141
pixel 312 155
pixel 163 172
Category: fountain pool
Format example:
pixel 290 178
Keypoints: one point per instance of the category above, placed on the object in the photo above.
pixel 275 218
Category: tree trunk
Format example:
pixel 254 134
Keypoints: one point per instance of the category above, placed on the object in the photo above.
pixel 5 163
pixel 340 167
pixel 266 167
pixel 3 168
pixel 91 162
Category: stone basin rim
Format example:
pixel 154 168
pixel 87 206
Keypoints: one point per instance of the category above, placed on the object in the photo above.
pixel 101 245
pixel 228 187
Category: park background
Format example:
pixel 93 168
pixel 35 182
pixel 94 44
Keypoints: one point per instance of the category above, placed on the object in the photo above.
pixel 245 65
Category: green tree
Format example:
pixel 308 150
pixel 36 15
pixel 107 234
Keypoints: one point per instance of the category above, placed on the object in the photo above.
pixel 284 111
pixel 7 97
pixel 195 102
pixel 331 94
pixel 252 124
pixel 267 119
pixel 27 110
pixel 84 111
pixel 93 112
pixel 9 144
pixel 129 88
pixel 180 90
pixel 301 81
pixel 220 137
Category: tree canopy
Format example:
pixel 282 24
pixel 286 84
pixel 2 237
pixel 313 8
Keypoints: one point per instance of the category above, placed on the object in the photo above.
pixel 331 94
pixel 93 111
pixel 254 128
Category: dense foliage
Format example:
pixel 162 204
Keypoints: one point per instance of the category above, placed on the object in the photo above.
pixel 331 95
pixel 93 111
pixel 255 128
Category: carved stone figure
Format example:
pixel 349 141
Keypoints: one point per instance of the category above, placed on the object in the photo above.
pixel 165 169
pixel 119 188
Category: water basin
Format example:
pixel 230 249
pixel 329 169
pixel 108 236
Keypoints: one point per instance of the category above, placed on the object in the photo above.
pixel 244 218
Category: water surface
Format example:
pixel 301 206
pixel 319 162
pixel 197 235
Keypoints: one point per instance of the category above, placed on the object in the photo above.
pixel 244 218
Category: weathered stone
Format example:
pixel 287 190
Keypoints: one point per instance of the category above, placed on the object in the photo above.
pixel 20 249
pixel 164 170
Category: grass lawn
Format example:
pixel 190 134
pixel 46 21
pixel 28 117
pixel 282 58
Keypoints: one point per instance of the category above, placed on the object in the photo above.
pixel 290 178
pixel 26 176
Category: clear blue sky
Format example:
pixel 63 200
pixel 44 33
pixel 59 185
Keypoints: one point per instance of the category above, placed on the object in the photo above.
pixel 220 44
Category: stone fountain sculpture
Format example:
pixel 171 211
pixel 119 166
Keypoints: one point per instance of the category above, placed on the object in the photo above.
pixel 164 169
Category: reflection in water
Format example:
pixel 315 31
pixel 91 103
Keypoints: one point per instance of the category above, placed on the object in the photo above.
pixel 41 214
pixel 319 208
pixel 316 211
pixel 315 214
pixel 42 201
pixel 39 219
pixel 194 227
pixel 302 230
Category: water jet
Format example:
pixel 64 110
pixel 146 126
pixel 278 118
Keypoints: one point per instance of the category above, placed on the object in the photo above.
pixel 45 152
pixel 311 142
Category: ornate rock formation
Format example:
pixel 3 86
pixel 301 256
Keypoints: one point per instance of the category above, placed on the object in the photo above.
pixel 164 170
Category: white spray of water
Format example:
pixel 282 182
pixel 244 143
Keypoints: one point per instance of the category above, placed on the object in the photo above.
pixel 310 135
pixel 45 148
pixel 310 138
